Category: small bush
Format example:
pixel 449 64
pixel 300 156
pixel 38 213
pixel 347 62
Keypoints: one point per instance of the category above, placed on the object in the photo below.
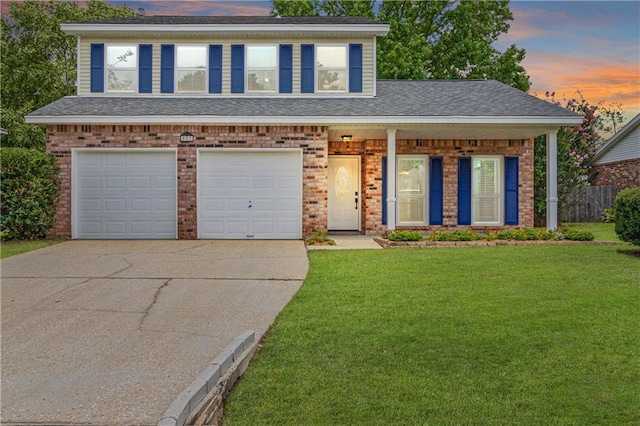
pixel 320 237
pixel 578 235
pixel 455 236
pixel 609 215
pixel 526 235
pixel 29 188
pixel 403 235
pixel 627 208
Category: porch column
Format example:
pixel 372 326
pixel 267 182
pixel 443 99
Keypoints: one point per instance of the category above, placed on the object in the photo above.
pixel 552 180
pixel 391 179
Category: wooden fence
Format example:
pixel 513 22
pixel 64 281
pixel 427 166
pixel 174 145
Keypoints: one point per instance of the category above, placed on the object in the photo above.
pixel 589 202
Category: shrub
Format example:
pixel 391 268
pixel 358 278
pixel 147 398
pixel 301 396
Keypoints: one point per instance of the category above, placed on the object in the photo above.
pixel 577 235
pixel 455 236
pixel 29 188
pixel 403 235
pixel 627 208
pixel 609 215
pixel 320 237
pixel 527 234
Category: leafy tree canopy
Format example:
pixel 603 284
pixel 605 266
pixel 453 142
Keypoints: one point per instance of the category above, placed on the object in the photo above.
pixel 438 39
pixel 38 63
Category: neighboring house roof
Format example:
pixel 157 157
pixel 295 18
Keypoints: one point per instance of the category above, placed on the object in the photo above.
pixel 624 145
pixel 328 25
pixel 3 131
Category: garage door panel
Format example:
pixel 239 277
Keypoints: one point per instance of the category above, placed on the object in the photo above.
pixel 126 194
pixel 254 192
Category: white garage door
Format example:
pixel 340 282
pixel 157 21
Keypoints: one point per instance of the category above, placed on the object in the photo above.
pixel 250 194
pixel 125 194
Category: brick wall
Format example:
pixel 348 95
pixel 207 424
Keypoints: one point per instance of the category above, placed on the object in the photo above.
pixel 312 139
pixel 623 174
pixel 372 152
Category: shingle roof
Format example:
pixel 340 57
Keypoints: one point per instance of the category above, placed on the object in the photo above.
pixel 395 98
pixel 234 20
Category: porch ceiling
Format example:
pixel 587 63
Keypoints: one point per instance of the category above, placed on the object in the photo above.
pixel 440 131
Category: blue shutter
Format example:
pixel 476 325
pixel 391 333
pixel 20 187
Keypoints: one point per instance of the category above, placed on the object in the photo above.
pixel 307 80
pixel 97 67
pixel 384 190
pixel 166 68
pixel 435 191
pixel 286 68
pixel 511 190
pixel 355 68
pixel 215 68
pixel 237 68
pixel 145 68
pixel 464 191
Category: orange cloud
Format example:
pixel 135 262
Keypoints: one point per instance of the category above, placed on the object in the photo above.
pixel 597 79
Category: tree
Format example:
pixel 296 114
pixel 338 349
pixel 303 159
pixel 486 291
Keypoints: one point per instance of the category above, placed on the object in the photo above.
pixel 576 147
pixel 440 39
pixel 38 63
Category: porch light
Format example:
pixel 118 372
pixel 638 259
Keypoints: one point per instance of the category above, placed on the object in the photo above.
pixel 346 138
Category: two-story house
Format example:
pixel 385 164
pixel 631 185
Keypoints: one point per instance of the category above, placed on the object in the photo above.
pixel 269 127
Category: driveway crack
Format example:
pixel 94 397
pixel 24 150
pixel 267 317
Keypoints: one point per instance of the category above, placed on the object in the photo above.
pixel 156 296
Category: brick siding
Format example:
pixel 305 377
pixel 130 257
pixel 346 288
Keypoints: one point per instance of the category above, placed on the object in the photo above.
pixel 623 174
pixel 61 139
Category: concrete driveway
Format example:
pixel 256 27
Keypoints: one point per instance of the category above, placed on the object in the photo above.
pixel 110 332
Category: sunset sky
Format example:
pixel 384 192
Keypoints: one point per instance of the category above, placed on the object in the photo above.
pixel 590 46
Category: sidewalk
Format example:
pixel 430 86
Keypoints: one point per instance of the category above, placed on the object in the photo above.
pixel 348 242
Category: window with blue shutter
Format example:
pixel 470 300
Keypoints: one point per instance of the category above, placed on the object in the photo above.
pixel 286 68
pixel 145 68
pixel 215 68
pixel 464 191
pixel 307 81
pixel 355 68
pixel 384 190
pixel 511 190
pixel 97 67
pixel 436 193
pixel 166 68
pixel 237 68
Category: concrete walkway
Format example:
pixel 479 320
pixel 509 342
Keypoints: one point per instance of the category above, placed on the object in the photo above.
pixel 110 332
pixel 349 242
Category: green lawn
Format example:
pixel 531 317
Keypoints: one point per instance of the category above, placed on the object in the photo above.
pixel 601 231
pixel 527 335
pixel 12 248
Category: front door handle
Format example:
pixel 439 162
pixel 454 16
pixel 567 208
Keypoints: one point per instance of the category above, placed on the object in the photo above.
pixel 356 203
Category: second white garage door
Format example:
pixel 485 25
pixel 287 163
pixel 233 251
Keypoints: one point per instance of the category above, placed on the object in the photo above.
pixel 247 194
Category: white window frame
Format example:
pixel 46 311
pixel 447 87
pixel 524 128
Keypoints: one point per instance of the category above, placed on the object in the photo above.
pixel 346 68
pixel 425 190
pixel 177 68
pixel 135 67
pixel 247 68
pixel 499 159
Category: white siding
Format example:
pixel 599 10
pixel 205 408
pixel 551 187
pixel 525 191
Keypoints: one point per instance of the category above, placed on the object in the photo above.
pixel 368 77
pixel 627 148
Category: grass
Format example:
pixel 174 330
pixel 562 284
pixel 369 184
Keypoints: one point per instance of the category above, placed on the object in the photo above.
pixel 601 231
pixel 487 335
pixel 14 247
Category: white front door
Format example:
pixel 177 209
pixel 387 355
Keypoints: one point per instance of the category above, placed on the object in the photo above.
pixel 344 193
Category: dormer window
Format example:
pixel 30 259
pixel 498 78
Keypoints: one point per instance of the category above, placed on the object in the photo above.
pixel 331 68
pixel 191 68
pixel 262 68
pixel 122 67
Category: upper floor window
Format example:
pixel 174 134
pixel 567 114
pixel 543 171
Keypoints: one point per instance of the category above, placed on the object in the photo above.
pixel 331 66
pixel 122 68
pixel 191 68
pixel 262 68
